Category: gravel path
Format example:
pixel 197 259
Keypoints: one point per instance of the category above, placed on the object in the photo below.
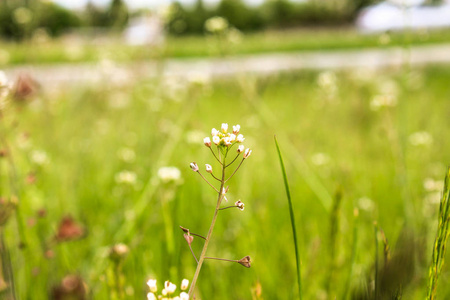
pixel 258 64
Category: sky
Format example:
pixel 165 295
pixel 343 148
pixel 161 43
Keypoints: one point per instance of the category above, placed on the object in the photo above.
pixel 78 4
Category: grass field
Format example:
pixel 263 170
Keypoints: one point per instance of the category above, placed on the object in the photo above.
pixel 76 49
pixel 378 140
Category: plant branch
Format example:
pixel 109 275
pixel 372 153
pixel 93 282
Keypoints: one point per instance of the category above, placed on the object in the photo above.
pixel 227 207
pixel 215 155
pixel 207 181
pixel 232 161
pixel 235 170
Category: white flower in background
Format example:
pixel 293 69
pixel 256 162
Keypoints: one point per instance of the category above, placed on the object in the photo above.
pixel 169 174
pixel 126 154
pixel 420 138
pixel 126 177
pixel 240 149
pixel 327 80
pixel 216 25
pixel 194 136
pixel 184 285
pixel 216 140
pixel 39 157
pixel 151 296
pixel 240 138
pixel 431 185
pixel 214 132
pixel 320 159
pixel 382 101
pixel 3 79
pixel 366 204
pixel 208 168
pixel 152 285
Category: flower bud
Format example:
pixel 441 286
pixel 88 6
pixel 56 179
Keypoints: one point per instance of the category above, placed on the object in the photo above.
pixel 247 153
pixel 208 168
pixel 240 138
pixel 214 132
pixel 184 296
pixel 240 149
pixel 245 261
pixel 207 141
pixel 189 238
pixel 216 140
pixel 152 285
pixel 236 129
pixel 194 166
pixel 151 296
pixel 239 204
pixel 184 284
pixel 224 127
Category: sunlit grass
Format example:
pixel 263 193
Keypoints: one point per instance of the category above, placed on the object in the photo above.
pixel 331 138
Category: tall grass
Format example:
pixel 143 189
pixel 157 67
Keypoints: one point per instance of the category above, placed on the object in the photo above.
pixel 292 218
pixel 440 244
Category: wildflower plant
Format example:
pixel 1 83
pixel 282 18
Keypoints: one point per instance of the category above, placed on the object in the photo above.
pixel 223 143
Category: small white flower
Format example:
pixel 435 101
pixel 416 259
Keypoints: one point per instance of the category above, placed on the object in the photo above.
pixel 240 149
pixel 194 166
pixel 184 285
pixel 224 127
pixel 152 285
pixel 39 157
pixel 151 296
pixel 126 154
pixel 169 287
pixel 164 292
pixel 421 138
pixel 247 153
pixel 227 141
pixel 126 177
pixel 240 205
pixel 236 129
pixel 216 140
pixel 214 132
pixel 184 296
pixel 240 138
pixel 232 137
pixel 169 174
pixel 207 141
pixel 208 168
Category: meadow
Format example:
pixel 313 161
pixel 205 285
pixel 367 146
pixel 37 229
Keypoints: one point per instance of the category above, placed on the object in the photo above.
pixel 366 153
pixel 92 48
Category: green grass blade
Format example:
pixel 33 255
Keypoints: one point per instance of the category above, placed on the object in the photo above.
pixel 291 211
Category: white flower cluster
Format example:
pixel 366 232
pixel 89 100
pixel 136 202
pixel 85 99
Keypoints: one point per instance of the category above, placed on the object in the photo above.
pixel 168 290
pixel 216 24
pixel 226 139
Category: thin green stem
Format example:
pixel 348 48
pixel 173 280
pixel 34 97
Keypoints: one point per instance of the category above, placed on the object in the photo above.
pixel 208 237
pixel 227 207
pixel 224 259
pixel 236 170
pixel 193 254
pixel 232 161
pixel 215 177
pixel 207 181
pixel 215 155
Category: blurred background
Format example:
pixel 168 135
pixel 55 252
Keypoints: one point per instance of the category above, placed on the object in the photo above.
pixel 105 103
